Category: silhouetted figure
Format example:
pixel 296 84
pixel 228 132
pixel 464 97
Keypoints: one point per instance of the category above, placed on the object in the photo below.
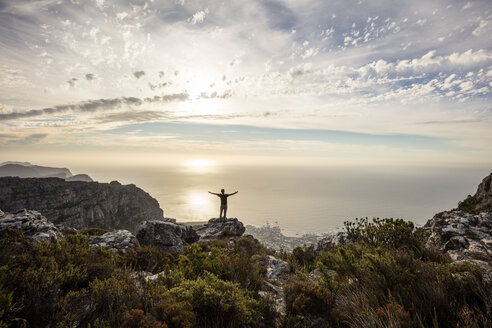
pixel 223 201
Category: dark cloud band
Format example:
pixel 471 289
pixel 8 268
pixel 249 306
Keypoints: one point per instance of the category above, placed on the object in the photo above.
pixel 95 105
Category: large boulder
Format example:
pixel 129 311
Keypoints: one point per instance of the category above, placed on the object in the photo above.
pixel 219 228
pixel 117 240
pixel 481 201
pixel 80 204
pixel 166 235
pixel 31 223
pixel 332 241
pixel 462 235
pixel 276 268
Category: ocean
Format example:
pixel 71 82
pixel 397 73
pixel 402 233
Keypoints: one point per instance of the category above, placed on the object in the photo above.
pixel 300 199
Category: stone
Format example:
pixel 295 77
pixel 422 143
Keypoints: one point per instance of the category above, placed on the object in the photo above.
pixel 462 235
pixel 168 236
pixel 275 293
pixel 219 228
pixel 332 241
pixel 32 224
pixel 80 204
pixel 276 268
pixel 117 240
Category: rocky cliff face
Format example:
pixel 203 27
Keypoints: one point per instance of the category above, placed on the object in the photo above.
pixel 481 201
pixel 80 204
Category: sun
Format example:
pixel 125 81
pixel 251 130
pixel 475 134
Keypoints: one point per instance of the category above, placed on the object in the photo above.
pixel 198 85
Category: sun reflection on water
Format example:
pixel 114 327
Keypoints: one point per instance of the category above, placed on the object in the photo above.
pixel 200 203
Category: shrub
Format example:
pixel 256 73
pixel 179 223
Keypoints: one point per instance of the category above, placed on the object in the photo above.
pixel 307 297
pixel 136 318
pixel 218 303
pixel 93 231
pixel 175 313
pixel 146 258
pixel 302 258
pixel 394 233
pixel 112 297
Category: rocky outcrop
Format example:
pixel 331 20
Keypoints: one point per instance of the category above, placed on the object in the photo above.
pixel 117 240
pixel 276 268
pixel 31 223
pixel 168 236
pixel 462 235
pixel 219 228
pixel 329 242
pixel 481 201
pixel 80 204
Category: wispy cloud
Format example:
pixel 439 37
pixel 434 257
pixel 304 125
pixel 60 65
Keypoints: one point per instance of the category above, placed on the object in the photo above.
pixel 93 106
pixel 368 67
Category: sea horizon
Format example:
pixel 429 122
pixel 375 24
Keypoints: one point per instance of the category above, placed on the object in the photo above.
pixel 298 198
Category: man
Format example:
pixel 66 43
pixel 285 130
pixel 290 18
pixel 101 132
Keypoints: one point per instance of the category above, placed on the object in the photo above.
pixel 223 201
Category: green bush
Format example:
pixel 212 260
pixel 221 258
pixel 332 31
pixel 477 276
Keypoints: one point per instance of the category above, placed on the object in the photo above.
pixel 93 231
pixel 307 297
pixel 146 258
pixel 394 233
pixel 302 258
pixel 112 297
pixel 218 303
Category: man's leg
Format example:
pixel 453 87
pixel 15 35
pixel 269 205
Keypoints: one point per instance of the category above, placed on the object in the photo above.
pixel 220 215
pixel 225 212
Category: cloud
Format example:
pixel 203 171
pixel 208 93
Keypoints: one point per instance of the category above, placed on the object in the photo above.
pixel 198 17
pixel 90 77
pixel 131 116
pixel 93 106
pixel 138 74
pixel 300 70
pixel 72 82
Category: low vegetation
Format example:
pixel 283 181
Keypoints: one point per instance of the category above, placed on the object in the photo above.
pixel 386 278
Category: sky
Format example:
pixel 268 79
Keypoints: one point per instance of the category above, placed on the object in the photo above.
pixel 277 82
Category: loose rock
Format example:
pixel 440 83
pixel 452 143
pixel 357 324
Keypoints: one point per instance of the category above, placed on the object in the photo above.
pixel 31 223
pixel 168 236
pixel 117 240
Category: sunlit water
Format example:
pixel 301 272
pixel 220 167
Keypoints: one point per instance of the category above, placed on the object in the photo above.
pixel 300 199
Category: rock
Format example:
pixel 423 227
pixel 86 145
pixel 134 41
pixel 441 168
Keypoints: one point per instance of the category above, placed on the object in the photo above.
pixel 328 243
pixel 462 235
pixel 275 293
pixel 481 201
pixel 276 268
pixel 32 224
pixel 218 228
pixel 80 204
pixel 168 236
pixel 117 240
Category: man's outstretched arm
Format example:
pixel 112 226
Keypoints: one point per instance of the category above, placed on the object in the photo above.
pixel 233 193
pixel 213 193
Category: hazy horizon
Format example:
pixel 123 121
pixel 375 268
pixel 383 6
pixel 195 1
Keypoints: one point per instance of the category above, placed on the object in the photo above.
pixel 299 198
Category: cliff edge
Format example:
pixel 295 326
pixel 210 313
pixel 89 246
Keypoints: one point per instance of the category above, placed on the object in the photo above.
pixel 80 204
